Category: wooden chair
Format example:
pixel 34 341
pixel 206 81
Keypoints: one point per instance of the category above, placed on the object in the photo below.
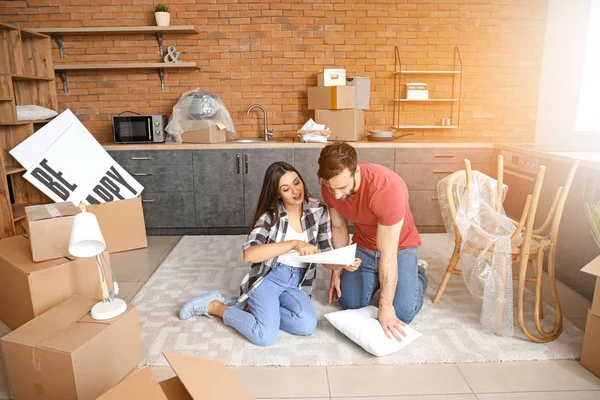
pixel 533 246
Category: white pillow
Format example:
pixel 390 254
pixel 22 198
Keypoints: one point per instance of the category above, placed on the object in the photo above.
pixel 362 327
pixel 33 112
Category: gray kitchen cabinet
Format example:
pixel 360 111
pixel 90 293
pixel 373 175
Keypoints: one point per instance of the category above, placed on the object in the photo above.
pixel 306 162
pixel 381 156
pixel 254 164
pixel 141 158
pixel 219 188
pixel 157 178
pixel 168 210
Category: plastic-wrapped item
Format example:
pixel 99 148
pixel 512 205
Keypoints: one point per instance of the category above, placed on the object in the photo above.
pixel 197 105
pixel 485 252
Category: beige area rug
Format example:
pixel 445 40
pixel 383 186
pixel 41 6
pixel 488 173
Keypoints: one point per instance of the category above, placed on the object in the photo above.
pixel 451 329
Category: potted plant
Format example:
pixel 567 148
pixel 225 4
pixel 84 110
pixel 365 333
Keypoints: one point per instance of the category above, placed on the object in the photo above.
pixel 163 18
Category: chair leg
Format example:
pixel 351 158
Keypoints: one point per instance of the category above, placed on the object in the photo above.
pixel 558 323
pixel 539 271
pixel 449 271
pixel 501 300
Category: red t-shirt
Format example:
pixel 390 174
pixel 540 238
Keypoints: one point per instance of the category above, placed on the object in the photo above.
pixel 382 198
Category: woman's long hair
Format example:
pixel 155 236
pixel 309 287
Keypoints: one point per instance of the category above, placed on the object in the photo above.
pixel 269 194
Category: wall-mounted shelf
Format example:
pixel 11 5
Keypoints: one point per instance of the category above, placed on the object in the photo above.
pixel 452 98
pixel 14 170
pixel 62 68
pixel 58 33
pixel 16 77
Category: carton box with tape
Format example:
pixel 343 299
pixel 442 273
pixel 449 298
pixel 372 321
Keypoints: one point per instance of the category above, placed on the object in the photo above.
pixel 331 98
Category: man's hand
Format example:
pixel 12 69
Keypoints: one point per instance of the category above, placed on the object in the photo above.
pixel 334 286
pixel 354 266
pixel 304 248
pixel 390 322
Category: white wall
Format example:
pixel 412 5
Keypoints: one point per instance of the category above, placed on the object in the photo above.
pixel 566 29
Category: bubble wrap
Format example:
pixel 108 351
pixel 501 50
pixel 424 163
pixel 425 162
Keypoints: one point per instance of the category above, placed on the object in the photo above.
pixel 485 252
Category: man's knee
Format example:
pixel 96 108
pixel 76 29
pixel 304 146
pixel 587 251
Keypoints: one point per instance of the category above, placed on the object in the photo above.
pixel 352 302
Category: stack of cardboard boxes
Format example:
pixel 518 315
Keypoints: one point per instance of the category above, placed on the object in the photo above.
pixel 590 354
pixel 340 103
pixel 56 350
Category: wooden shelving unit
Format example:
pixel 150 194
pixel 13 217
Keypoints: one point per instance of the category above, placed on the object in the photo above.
pixel 453 100
pixel 26 77
pixel 158 31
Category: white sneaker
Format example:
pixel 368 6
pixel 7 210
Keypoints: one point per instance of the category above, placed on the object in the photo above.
pixel 423 264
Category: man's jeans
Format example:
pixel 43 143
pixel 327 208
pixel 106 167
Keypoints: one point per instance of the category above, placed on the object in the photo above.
pixel 358 287
pixel 275 304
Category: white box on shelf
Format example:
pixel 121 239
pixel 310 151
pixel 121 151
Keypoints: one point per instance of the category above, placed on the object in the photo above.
pixel 417 94
pixel 332 77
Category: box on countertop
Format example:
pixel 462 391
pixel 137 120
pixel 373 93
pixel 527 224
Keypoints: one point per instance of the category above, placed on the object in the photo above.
pixel 590 353
pixel 65 354
pixel 332 77
pixel 28 289
pixel 203 131
pixel 331 97
pixel 196 379
pixel 362 83
pixel 346 125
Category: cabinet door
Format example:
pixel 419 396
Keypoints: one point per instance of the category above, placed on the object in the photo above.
pixel 381 156
pixel 168 210
pixel 254 164
pixel 143 158
pixel 306 162
pixel 218 188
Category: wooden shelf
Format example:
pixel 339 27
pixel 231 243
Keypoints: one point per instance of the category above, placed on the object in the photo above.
pixel 427 72
pixel 18 211
pixel 425 127
pixel 14 170
pixel 30 78
pixel 75 67
pixel 115 30
pixel 5 99
pixel 433 100
pixel 39 121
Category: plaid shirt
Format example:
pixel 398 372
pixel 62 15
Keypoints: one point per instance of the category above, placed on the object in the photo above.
pixel 316 225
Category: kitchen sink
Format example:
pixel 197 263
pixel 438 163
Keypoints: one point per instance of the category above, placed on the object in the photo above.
pixel 256 141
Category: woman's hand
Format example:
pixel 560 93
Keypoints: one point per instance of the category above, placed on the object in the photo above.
pixel 304 248
pixel 354 266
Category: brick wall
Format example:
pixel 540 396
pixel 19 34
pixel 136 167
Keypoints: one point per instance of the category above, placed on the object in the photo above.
pixel 268 52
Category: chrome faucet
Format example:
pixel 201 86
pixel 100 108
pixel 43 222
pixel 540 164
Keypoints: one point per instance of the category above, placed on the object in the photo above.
pixel 266 131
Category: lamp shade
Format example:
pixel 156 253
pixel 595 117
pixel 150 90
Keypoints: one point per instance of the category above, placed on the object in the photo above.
pixel 86 237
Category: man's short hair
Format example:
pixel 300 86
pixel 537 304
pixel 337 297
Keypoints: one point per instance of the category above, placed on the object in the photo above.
pixel 335 158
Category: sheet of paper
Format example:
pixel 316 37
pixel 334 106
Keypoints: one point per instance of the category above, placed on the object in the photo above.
pixel 341 256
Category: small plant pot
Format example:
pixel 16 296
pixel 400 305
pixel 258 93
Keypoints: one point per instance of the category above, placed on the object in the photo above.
pixel 162 18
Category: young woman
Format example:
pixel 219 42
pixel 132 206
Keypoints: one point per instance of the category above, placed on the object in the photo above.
pixel 287 223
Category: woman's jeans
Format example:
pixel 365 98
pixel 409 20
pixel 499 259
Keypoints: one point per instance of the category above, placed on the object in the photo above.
pixel 275 304
pixel 358 287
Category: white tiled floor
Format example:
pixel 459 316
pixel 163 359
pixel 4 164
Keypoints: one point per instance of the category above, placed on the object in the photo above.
pixel 550 380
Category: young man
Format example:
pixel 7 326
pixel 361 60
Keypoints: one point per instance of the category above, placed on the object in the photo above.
pixel 375 199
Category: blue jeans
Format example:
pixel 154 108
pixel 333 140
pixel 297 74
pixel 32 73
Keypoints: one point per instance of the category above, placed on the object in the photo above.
pixel 358 287
pixel 275 304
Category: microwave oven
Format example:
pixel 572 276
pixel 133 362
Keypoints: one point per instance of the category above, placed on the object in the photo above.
pixel 139 128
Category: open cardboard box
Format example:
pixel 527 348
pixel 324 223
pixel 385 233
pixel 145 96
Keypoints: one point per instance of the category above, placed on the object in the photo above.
pixel 28 289
pixel 65 354
pixel 49 227
pixel 590 353
pixel 196 379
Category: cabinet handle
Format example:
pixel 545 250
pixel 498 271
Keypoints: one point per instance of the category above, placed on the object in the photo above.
pixel 444 155
pixel 143 174
pixel 238 163
pixel 148 201
pixel 246 157
pixel 434 198
pixel 141 158
pixel 441 171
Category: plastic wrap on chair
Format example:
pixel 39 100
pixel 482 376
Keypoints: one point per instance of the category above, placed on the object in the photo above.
pixel 485 252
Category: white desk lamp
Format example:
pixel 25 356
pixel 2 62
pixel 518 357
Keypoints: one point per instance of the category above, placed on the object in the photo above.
pixel 87 241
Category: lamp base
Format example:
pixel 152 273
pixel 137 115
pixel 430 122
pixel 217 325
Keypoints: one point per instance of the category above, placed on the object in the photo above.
pixel 114 308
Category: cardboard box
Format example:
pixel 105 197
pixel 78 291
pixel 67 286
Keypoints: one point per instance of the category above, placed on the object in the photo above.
pixel 122 224
pixel 332 77
pixel 49 229
pixel 203 131
pixel 28 289
pixel 196 379
pixel 590 353
pixel 331 98
pixel 362 83
pixel 593 268
pixel 65 354
pixel 348 125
